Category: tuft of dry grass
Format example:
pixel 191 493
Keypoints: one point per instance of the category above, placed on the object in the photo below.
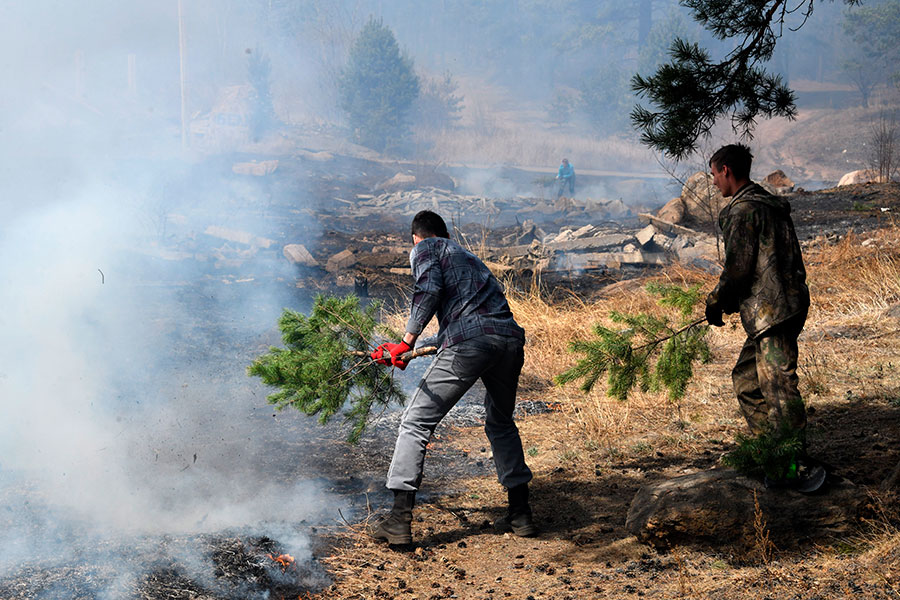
pixel 762 545
pixel 850 280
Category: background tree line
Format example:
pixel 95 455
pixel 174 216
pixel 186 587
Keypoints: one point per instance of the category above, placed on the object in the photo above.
pixel 573 58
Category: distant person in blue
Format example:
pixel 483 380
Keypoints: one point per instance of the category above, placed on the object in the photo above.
pixel 566 177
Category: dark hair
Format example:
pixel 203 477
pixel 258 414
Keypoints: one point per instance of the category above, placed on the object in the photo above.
pixel 429 224
pixel 736 156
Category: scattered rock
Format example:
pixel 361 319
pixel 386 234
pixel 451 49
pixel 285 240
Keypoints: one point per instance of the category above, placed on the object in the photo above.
pixel 662 241
pixel 398 182
pixel 777 182
pixel 526 234
pixel 259 169
pixel 340 261
pixel 695 249
pixel 859 176
pixel 583 232
pixel 645 235
pixel 299 255
pixel 702 200
pixel 564 235
pixel 672 211
pixel 717 507
pixel 616 209
pixel 316 156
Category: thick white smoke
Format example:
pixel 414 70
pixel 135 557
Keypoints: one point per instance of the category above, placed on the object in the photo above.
pixel 124 404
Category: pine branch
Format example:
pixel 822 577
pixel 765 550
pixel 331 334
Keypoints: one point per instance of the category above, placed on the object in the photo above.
pixel 614 353
pixel 772 453
pixel 656 342
pixel 325 367
pixel 691 92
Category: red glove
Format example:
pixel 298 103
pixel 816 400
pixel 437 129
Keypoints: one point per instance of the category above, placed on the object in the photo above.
pixel 389 354
pixel 396 350
pixel 378 354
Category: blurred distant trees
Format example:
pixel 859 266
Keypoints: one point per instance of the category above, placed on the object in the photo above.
pixel 613 35
pixel 574 57
pixel 259 71
pixel 655 49
pixel 875 57
pixel 605 98
pixel 377 88
pixel 438 106
pixel 692 91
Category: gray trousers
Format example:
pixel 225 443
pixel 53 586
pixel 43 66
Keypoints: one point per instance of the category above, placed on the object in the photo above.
pixel 497 360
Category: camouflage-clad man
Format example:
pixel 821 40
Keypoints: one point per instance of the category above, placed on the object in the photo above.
pixel 763 279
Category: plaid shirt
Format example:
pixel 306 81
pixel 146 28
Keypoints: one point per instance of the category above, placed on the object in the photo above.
pixel 461 290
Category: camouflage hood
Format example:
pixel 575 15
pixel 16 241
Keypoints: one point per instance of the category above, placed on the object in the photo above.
pixel 757 193
pixel 764 278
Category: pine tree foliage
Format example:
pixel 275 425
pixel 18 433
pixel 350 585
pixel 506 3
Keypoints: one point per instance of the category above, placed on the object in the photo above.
pixel 438 106
pixel 316 372
pixel 663 358
pixel 772 453
pixel 378 87
pixel 692 91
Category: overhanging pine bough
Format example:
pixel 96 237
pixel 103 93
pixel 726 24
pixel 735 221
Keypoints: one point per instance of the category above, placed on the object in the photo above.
pixel 692 92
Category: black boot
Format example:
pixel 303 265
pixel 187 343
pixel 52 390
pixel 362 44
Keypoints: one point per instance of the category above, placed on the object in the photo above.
pixel 395 527
pixel 518 517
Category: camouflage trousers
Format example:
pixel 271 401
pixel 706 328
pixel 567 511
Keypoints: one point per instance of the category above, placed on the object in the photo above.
pixel 765 379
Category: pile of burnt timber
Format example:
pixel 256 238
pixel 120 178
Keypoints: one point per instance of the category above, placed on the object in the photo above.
pixel 407 203
pixel 591 248
pixel 570 251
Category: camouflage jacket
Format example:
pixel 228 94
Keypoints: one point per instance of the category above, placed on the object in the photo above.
pixel 764 277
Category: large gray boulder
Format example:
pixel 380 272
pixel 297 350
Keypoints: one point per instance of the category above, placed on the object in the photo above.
pixel 860 176
pixel 702 200
pixel 672 211
pixel 717 507
pixel 777 182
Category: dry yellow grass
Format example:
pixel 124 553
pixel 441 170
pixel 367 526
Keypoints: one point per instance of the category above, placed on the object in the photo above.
pixel 851 284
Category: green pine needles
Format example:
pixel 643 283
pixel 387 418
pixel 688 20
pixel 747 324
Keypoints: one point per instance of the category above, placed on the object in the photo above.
pixel 317 371
pixel 772 453
pixel 664 355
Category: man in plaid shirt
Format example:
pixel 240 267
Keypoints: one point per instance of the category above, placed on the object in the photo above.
pixel 478 338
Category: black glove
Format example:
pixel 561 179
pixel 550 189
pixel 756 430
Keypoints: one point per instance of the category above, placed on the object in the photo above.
pixel 714 314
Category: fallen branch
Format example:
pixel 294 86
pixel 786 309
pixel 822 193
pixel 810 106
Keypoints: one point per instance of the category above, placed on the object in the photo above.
pixel 325 365
pixel 613 353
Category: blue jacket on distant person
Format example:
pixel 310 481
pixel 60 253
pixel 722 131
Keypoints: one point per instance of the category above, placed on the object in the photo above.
pixel 566 177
